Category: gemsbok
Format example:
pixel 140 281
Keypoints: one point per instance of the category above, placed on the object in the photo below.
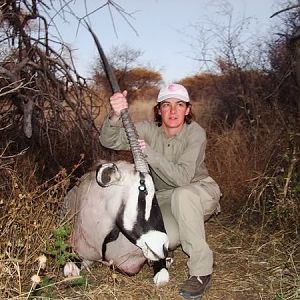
pixel 116 217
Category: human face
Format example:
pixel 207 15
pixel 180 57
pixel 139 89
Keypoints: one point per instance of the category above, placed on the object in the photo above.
pixel 173 112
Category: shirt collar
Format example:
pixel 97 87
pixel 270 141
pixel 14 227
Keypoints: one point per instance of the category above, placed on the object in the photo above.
pixel 178 136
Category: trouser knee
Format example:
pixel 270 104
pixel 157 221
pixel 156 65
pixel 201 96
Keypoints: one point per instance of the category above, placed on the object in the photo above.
pixel 184 203
pixel 171 226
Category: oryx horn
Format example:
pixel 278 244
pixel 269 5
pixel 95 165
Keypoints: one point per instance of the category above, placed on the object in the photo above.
pixel 138 156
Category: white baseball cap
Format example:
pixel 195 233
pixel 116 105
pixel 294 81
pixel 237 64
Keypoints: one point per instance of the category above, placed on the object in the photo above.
pixel 173 90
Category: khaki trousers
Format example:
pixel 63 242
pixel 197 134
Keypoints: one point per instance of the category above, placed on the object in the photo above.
pixel 184 210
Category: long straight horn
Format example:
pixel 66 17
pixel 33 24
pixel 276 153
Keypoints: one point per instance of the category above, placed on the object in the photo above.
pixel 132 135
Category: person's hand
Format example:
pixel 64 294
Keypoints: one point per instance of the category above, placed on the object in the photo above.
pixel 142 144
pixel 118 102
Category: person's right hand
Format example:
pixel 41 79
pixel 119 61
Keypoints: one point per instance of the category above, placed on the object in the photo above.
pixel 118 102
pixel 142 144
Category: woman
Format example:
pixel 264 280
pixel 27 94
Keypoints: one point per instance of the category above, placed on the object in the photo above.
pixel 174 147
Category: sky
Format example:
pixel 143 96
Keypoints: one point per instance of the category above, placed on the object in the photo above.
pixel 164 30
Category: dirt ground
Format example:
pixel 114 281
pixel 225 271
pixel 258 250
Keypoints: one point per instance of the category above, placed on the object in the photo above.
pixel 247 266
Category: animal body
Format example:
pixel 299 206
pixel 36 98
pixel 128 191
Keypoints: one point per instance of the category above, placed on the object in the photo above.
pixel 117 221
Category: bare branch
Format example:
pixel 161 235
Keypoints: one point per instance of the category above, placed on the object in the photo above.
pixel 285 9
pixel 12 88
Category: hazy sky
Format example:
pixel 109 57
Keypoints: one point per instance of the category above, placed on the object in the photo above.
pixel 164 30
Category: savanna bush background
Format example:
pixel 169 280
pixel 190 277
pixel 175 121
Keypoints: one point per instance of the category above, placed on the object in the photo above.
pixel 250 112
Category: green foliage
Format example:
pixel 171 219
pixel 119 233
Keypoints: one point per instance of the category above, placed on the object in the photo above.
pixel 45 290
pixel 59 247
pixel 80 281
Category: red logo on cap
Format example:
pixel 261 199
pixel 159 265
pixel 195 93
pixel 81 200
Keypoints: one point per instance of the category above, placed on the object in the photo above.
pixel 172 87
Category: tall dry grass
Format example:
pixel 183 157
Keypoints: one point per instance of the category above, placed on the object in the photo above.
pixel 249 163
pixel 29 212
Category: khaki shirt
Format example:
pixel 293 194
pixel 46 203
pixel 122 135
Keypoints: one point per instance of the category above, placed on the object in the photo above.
pixel 175 161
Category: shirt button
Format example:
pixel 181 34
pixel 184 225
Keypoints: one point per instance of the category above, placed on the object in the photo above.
pixel 168 145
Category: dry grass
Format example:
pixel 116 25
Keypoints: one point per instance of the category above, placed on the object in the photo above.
pixel 248 265
pixel 250 262
pixel 142 110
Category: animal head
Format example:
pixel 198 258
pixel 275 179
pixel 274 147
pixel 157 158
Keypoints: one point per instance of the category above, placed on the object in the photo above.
pixel 137 213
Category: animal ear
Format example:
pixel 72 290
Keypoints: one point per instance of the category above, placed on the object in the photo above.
pixel 107 174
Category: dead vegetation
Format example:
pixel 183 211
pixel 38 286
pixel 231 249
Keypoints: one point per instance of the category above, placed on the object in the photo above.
pixel 256 256
pixel 250 263
pixel 252 121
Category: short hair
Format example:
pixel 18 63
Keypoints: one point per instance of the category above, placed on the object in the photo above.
pixel 158 120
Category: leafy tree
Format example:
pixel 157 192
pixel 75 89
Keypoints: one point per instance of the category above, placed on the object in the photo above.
pixel 138 81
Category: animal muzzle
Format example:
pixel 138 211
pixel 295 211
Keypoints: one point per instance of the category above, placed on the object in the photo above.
pixel 154 245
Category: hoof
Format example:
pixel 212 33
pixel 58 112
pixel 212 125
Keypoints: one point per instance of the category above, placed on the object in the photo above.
pixel 71 270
